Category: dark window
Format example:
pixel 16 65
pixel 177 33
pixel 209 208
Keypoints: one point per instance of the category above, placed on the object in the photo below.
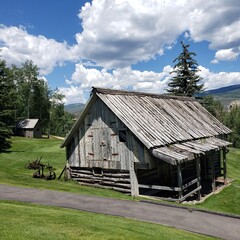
pixel 122 135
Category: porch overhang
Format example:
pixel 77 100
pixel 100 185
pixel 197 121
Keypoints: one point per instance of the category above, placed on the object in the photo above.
pixel 187 151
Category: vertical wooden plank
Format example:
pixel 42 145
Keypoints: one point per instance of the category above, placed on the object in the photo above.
pixel 78 147
pixel 224 165
pixel 133 179
pixel 179 177
pixel 82 146
pixel 198 170
pixel 212 171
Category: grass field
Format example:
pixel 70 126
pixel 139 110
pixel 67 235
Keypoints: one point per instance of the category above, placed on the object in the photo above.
pixel 30 221
pixel 24 150
pixel 228 200
pixel 49 223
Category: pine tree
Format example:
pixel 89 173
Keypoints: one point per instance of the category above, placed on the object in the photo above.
pixel 185 82
pixel 7 92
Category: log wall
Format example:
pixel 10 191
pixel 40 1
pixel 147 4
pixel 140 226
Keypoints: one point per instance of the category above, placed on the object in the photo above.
pixel 103 178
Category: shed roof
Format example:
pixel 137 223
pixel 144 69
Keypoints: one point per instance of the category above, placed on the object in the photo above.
pixel 173 128
pixel 27 123
pixel 160 120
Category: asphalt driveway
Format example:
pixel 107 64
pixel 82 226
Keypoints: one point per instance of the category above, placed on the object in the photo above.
pixel 216 225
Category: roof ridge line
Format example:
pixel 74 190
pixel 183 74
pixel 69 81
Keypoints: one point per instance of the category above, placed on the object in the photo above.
pixel 141 94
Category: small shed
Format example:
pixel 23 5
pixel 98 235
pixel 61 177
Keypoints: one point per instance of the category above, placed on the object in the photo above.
pixel 150 144
pixel 30 128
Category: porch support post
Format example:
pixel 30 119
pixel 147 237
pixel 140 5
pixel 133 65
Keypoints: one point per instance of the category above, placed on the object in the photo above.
pixel 224 166
pixel 198 170
pixel 179 176
pixel 212 171
pixel 134 180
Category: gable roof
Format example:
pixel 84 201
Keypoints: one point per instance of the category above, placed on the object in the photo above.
pixel 158 120
pixel 27 123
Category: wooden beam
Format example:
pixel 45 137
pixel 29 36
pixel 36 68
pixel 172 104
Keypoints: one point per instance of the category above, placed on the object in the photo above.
pixel 198 170
pixel 133 180
pixel 224 166
pixel 212 172
pixel 189 183
pixel 157 187
pixel 189 194
pixel 179 177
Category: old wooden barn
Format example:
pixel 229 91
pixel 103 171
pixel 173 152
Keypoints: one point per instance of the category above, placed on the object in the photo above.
pixel 30 128
pixel 150 144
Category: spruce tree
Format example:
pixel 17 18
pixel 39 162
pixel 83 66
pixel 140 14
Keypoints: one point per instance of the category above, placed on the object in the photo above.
pixel 186 81
pixel 7 93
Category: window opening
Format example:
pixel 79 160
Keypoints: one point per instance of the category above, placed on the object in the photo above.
pixel 122 135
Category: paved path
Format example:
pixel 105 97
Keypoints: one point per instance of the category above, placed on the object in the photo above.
pixel 195 221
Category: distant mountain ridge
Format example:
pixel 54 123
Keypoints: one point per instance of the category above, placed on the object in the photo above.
pixel 74 108
pixel 224 94
pixel 222 90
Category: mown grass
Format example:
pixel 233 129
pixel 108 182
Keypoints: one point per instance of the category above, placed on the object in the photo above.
pixel 228 200
pixel 29 221
pixel 24 150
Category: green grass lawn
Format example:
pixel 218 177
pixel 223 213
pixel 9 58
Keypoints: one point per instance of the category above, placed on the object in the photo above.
pixel 228 200
pixel 13 172
pixel 30 221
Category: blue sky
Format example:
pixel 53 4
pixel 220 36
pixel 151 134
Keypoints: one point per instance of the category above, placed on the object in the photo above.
pixel 121 44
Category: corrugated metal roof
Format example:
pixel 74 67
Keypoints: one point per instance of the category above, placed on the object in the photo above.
pixel 27 123
pixel 160 120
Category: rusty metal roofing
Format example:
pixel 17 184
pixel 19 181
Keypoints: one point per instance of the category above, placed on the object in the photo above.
pixel 161 120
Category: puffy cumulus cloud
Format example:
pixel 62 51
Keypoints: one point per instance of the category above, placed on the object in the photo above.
pixel 83 79
pixel 73 94
pixel 226 55
pixel 17 46
pixel 213 80
pixel 123 78
pixel 118 33
pixel 216 22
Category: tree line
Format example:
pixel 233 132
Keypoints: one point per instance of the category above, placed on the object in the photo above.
pixel 24 95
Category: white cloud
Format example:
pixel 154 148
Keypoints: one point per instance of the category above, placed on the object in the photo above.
pixel 83 79
pixel 226 55
pixel 73 94
pixel 17 46
pixel 216 80
pixel 119 33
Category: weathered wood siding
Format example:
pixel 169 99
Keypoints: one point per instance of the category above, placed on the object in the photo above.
pixel 97 142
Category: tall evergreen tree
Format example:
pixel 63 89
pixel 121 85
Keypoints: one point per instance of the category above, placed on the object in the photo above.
pixel 186 81
pixel 7 93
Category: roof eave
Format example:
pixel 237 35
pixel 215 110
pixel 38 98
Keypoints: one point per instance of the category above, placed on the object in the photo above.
pixel 78 121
